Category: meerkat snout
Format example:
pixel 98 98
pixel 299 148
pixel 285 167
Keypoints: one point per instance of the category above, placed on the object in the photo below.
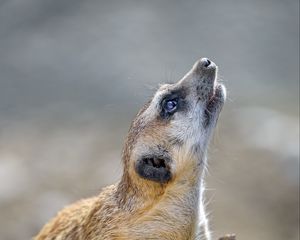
pixel 206 62
pixel 160 194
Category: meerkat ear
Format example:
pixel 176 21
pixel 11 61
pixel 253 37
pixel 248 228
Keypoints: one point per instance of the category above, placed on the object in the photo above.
pixel 154 168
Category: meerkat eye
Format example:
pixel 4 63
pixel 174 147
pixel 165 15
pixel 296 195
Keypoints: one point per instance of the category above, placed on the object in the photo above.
pixel 172 102
pixel 170 106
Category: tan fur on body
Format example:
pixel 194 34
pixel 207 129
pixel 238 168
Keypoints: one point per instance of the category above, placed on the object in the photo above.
pixel 138 207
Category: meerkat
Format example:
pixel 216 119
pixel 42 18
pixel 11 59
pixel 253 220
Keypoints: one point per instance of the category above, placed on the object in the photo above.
pixel 160 194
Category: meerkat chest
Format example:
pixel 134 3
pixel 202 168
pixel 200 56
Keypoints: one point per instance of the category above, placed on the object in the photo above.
pixel 175 216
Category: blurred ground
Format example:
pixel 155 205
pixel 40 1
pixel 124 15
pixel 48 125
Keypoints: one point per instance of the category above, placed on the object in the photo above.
pixel 74 73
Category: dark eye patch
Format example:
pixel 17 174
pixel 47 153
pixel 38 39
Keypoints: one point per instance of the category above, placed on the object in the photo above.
pixel 172 102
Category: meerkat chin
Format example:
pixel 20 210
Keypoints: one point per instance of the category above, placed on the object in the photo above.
pixel 160 194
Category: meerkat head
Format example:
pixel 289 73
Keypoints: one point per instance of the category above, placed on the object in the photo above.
pixel 171 132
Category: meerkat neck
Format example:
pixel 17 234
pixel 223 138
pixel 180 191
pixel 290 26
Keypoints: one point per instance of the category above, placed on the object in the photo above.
pixel 180 202
pixel 133 197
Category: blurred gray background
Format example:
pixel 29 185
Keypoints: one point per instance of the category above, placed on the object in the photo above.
pixel 74 73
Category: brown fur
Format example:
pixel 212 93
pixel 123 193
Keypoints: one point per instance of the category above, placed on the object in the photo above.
pixel 137 208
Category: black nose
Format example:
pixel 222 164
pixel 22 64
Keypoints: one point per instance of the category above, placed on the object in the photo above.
pixel 206 62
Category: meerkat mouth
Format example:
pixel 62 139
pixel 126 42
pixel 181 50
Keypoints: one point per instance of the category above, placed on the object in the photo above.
pixel 215 103
pixel 218 95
